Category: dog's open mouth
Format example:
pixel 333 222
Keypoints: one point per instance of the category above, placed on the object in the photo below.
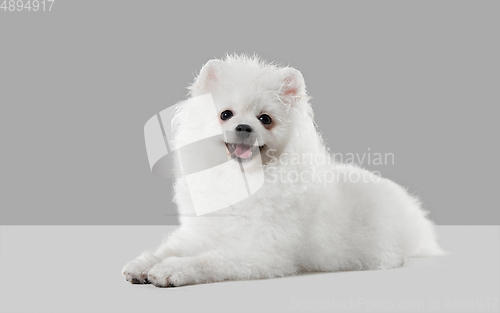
pixel 243 151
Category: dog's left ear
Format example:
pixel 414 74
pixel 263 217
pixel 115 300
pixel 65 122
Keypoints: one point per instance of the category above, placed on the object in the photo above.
pixel 293 86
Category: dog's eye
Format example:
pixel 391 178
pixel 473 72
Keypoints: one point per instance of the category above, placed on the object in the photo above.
pixel 226 115
pixel 265 119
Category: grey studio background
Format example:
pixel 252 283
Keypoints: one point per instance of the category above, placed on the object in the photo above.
pixel 77 84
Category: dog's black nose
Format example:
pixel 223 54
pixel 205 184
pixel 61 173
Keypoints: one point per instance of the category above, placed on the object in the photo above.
pixel 243 130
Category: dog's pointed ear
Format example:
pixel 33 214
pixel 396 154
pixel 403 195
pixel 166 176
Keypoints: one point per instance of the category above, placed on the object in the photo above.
pixel 293 86
pixel 206 80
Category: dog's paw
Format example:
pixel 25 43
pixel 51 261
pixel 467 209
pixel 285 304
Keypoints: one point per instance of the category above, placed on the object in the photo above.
pixel 136 271
pixel 172 272
pixel 160 276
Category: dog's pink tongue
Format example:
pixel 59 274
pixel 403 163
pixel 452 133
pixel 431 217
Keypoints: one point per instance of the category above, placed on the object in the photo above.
pixel 243 151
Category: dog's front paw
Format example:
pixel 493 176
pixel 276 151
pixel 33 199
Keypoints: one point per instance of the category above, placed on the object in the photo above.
pixel 160 276
pixel 172 272
pixel 136 271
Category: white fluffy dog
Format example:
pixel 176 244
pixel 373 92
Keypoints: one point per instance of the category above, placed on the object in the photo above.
pixel 355 221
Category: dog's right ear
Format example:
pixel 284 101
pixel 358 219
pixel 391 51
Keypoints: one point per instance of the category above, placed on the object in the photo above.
pixel 207 78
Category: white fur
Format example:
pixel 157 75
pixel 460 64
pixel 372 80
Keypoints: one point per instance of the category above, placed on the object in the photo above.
pixel 287 226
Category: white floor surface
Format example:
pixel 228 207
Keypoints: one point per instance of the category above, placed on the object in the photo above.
pixel 78 269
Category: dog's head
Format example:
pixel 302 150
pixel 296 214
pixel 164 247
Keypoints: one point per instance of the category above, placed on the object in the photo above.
pixel 253 101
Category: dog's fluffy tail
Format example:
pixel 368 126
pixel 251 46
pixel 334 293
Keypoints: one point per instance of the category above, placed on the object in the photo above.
pixel 429 250
pixel 429 246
